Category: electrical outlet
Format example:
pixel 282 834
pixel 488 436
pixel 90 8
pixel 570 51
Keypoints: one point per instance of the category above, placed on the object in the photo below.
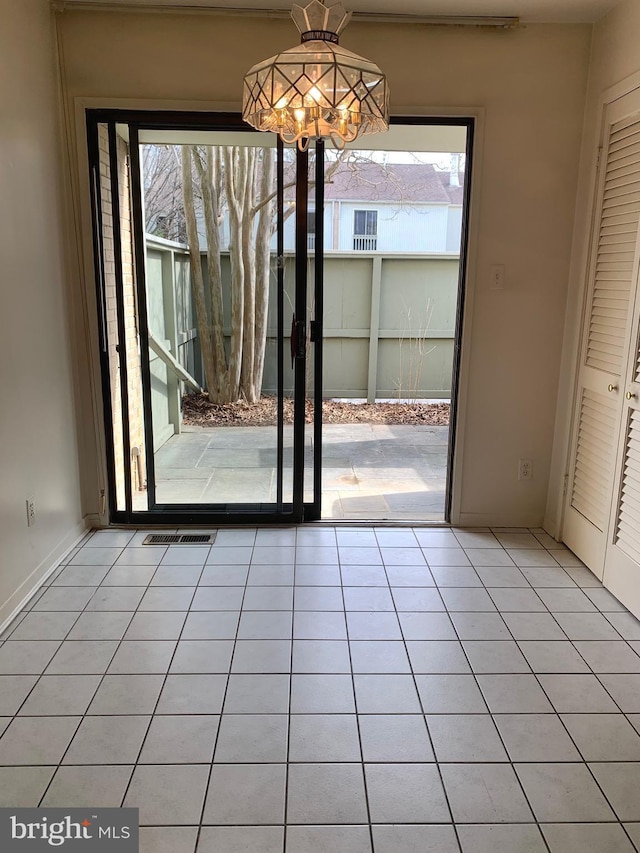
pixel 31 512
pixel 497 277
pixel 525 469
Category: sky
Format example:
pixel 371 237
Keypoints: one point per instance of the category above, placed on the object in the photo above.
pixel 440 159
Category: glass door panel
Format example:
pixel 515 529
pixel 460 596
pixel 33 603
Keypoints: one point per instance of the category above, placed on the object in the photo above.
pixel 217 217
pixel 201 294
pixel 394 212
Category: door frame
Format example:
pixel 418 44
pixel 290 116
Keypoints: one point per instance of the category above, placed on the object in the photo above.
pixel 205 513
pixel 98 451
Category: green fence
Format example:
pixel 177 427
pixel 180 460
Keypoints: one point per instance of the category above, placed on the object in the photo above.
pixel 389 323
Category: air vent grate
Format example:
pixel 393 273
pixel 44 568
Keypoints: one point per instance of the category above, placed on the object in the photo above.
pixel 162 539
pixel 197 538
pixel 180 539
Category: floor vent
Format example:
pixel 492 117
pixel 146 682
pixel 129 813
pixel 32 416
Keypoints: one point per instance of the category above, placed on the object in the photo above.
pixel 198 538
pixel 180 539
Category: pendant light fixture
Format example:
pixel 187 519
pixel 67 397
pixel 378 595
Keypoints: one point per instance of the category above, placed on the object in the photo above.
pixel 317 90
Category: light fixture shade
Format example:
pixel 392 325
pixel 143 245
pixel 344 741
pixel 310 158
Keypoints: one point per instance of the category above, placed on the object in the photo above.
pixel 317 89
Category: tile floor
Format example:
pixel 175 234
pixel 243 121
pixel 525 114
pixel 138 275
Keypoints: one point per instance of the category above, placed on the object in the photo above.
pixel 365 690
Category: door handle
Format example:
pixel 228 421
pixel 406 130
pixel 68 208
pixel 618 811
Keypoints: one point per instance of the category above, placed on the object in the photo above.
pixel 298 339
pixel 612 387
pixel 630 396
pixel 292 340
pixel 315 332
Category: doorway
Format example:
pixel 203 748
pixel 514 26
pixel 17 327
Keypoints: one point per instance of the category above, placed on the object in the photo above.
pixel 395 215
pixel 224 301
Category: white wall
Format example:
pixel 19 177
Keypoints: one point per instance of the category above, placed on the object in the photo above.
pixel 401 228
pixel 531 84
pixel 615 57
pixel 454 228
pixel 290 230
pixel 38 453
pixel 406 228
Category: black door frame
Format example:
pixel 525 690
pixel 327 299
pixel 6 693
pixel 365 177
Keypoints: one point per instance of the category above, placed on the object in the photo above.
pixel 214 514
pixel 176 514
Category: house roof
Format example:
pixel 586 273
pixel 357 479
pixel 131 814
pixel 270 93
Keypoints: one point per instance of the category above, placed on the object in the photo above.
pixel 403 183
pixel 456 194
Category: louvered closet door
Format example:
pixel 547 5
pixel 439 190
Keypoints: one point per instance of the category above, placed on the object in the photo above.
pixel 606 336
pixel 622 562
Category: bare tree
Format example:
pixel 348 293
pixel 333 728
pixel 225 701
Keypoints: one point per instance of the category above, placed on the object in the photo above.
pixel 242 178
pixel 164 214
pixel 190 191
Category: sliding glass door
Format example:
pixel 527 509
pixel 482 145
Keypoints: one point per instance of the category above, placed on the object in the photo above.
pixel 214 246
pixel 204 331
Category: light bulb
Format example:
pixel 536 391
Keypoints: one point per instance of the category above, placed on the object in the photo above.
pixel 300 116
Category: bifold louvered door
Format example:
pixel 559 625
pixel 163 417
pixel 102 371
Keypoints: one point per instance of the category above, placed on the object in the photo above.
pixel 606 336
pixel 622 560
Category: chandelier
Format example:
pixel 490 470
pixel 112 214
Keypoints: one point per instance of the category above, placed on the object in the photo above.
pixel 317 89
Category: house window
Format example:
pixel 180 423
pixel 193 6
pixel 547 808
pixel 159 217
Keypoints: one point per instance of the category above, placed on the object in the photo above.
pixel 311 230
pixel 365 230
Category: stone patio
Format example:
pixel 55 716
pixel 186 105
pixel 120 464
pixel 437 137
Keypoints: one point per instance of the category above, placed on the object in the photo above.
pixel 370 471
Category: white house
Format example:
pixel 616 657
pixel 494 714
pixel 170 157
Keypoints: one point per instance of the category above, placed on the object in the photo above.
pixel 392 208
pixel 375 207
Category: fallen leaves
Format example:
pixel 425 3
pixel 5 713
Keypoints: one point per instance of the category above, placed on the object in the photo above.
pixel 198 411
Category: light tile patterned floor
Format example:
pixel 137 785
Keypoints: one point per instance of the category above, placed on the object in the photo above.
pixel 370 690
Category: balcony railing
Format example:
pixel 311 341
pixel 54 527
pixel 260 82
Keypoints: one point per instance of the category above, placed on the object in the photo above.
pixel 364 244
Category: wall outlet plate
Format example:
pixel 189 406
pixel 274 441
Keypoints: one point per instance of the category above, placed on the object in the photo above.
pixel 525 469
pixel 31 512
pixel 497 277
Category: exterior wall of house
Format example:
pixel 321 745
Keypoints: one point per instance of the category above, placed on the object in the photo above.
pixel 410 228
pixel 39 440
pixel 454 228
pixel 614 58
pixel 531 84
pixel 290 231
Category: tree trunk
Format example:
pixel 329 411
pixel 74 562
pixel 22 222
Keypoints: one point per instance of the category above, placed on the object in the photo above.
pixel 210 205
pixel 245 176
pixel 235 162
pixel 248 261
pixel 263 265
pixel 197 279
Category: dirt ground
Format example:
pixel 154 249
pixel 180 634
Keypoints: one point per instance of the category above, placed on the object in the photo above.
pixel 198 411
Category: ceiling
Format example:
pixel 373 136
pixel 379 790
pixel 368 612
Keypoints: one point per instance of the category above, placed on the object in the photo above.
pixel 534 11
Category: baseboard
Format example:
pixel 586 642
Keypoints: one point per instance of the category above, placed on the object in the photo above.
pixel 16 602
pixel 550 526
pixel 472 519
